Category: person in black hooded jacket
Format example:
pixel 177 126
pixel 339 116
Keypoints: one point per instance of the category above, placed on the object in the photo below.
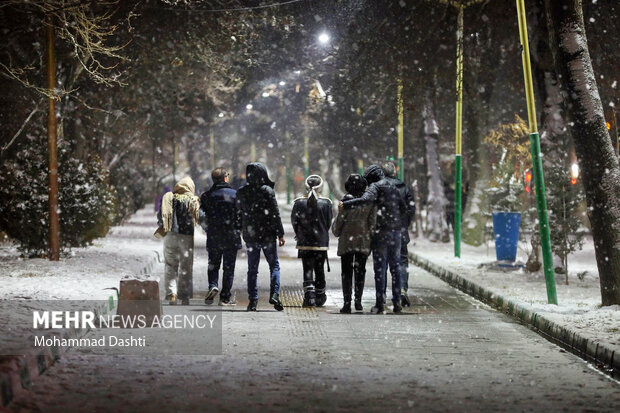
pixel 389 169
pixel 386 238
pixel 311 218
pixel 261 225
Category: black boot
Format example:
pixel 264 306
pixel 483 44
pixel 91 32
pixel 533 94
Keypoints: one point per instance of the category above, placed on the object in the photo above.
pixel 358 304
pixel 252 305
pixel 275 300
pixel 321 297
pixel 346 308
pixel 309 299
pixel 397 307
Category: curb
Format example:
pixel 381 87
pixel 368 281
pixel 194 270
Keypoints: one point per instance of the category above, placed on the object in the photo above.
pixel 18 373
pixel 601 355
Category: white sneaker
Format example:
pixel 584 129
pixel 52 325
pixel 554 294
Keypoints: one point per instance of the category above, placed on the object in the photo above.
pixel 211 295
pixel 226 303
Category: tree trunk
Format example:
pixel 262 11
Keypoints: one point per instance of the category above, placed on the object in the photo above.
pixel 437 202
pixel 598 162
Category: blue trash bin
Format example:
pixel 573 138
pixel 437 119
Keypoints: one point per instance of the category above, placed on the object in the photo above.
pixel 506 228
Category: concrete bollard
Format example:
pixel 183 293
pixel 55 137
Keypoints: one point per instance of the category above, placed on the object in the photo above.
pixel 139 298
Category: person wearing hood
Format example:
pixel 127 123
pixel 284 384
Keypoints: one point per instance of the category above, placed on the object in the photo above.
pixel 222 223
pixel 261 227
pixel 385 243
pixel 389 169
pixel 353 227
pixel 311 218
pixel 176 218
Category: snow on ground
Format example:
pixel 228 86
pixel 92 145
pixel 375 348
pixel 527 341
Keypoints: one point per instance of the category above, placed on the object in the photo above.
pixel 579 302
pixel 84 274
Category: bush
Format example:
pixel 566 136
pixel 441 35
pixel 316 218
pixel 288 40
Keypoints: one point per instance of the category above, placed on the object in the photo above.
pixel 86 200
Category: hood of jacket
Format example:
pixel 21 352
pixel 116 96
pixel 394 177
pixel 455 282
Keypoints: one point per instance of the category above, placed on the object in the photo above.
pixel 256 175
pixel 355 185
pixel 373 173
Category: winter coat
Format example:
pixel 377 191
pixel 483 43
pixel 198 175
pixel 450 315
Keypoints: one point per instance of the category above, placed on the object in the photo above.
pixel 407 195
pixel 391 208
pixel 354 226
pixel 182 220
pixel 312 234
pixel 222 221
pixel 256 201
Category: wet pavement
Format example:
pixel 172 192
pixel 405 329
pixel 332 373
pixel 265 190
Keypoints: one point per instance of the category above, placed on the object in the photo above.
pixel 446 353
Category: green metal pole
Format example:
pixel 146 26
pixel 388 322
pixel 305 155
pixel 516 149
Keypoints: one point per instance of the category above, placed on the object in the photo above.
pixel 539 180
pixel 360 167
pixel 458 159
pixel 399 99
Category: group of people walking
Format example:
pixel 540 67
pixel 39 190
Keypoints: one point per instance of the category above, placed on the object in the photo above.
pixel 373 217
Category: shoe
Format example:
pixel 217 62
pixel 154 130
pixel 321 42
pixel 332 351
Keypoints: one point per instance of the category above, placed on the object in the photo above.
pixel 397 308
pixel 252 305
pixel 226 302
pixel 320 300
pixel 378 309
pixel 358 305
pixel 185 301
pixel 172 299
pixel 309 300
pixel 404 299
pixel 275 300
pixel 346 308
pixel 211 295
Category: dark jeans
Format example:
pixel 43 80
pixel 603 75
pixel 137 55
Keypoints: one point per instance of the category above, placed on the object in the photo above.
pixel 229 256
pixel 353 264
pixel 271 255
pixel 404 266
pixel 386 253
pixel 313 263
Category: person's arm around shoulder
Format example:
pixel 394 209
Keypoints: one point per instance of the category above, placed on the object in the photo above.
pixel 371 195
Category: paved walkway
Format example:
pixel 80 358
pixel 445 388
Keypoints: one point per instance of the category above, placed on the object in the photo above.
pixel 446 353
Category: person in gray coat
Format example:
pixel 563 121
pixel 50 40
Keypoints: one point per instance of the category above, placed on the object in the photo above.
pixel 354 227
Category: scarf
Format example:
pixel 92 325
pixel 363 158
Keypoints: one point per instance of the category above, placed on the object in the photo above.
pixel 313 190
pixel 183 192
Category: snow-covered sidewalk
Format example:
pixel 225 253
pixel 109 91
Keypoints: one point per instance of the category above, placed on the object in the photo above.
pixel 579 303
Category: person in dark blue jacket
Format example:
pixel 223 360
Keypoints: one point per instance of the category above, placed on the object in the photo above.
pixel 221 221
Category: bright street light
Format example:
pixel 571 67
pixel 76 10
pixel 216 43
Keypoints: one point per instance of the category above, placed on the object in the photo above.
pixel 249 106
pixel 221 115
pixel 324 38
pixel 266 94
pixel 282 83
